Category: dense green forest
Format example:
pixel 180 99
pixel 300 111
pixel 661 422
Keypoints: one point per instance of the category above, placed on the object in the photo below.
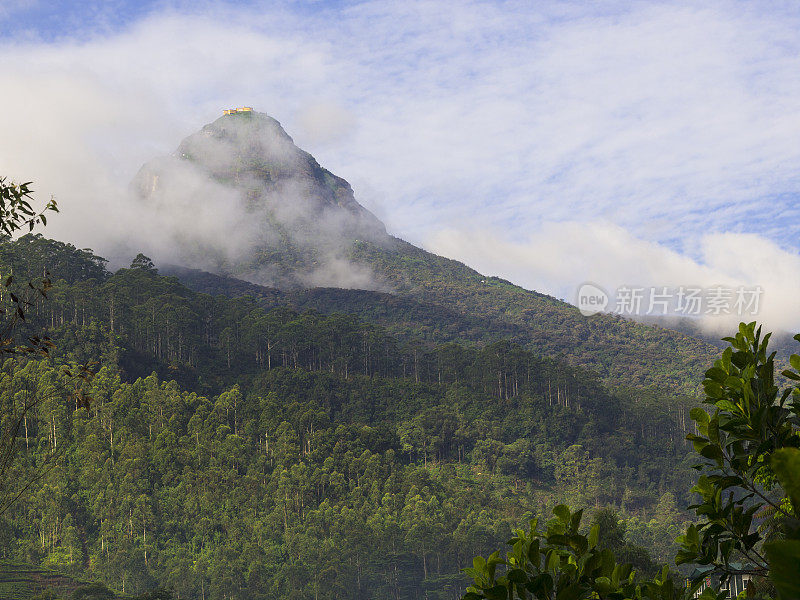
pixel 242 448
pixel 437 300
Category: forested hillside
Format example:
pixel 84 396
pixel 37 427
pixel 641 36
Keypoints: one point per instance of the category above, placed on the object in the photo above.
pixel 277 453
pixel 437 300
pixel 299 227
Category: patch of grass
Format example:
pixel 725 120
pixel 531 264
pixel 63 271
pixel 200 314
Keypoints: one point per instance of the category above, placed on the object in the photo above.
pixel 19 581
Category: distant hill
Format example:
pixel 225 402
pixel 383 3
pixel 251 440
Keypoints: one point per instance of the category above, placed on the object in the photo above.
pixel 440 300
pixel 301 237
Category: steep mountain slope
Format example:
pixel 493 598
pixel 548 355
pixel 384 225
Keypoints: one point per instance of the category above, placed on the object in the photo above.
pixel 297 227
pixel 478 310
pixel 617 348
pixel 239 197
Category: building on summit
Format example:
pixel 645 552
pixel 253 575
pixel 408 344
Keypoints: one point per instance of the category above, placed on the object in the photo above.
pixel 241 109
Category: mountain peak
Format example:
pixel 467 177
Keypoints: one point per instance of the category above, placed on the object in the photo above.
pixel 244 173
pixel 239 121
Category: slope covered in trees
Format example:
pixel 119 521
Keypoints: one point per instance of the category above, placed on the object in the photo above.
pixel 379 487
pixel 437 300
pixel 295 454
pixel 298 226
pixel 616 348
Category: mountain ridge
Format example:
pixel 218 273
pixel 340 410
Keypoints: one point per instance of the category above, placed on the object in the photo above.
pixel 307 231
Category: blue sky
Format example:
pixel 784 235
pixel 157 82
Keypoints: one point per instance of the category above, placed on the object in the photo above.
pixel 51 21
pixel 550 143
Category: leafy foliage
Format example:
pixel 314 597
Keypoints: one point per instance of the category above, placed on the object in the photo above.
pixel 749 446
pixel 750 461
pixel 562 563
pixel 16 210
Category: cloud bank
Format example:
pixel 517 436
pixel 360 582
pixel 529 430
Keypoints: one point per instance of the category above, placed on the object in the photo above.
pixel 659 128
pixel 559 257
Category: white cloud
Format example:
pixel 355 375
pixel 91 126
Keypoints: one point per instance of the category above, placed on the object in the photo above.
pixel 324 123
pixel 559 257
pixel 671 121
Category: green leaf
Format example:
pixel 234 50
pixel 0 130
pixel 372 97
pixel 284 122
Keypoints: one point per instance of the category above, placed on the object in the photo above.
pixel 713 389
pixel 712 452
pixel 517 576
pixel 713 429
pixel 699 415
pixel 594 535
pixel 562 512
pixel 552 560
pixel 717 374
pixel 533 552
pixel 726 405
pixel 479 564
pixel 575 520
pixel 534 526
pixel 790 375
pixel 784 563
pixel 570 592
pixel 603 585
pixel 786 464
pixel 491 564
pixel 498 592
pixel 726 359
pixel 734 382
pixel 541 585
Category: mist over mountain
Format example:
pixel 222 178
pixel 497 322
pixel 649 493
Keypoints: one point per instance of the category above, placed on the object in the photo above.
pixel 239 197
pixel 240 200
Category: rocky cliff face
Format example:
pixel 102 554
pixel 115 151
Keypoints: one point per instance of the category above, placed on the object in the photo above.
pixel 243 199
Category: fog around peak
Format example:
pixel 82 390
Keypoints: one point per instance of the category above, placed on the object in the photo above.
pixel 239 197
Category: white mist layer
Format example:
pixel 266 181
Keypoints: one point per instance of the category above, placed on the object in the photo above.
pixel 238 197
pixel 558 257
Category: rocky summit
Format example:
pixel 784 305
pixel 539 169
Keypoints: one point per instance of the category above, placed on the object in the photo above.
pixel 285 217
